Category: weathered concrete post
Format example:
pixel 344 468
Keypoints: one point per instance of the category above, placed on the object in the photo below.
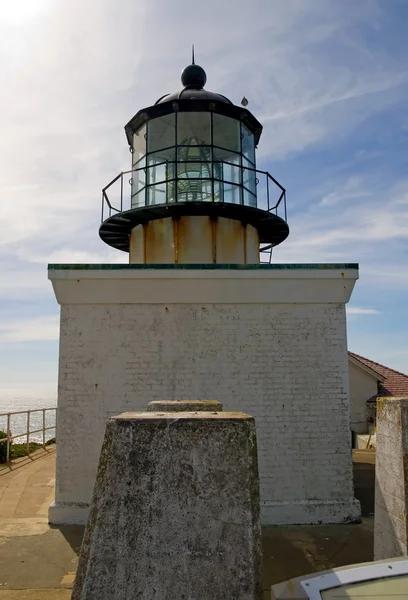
pixel 391 490
pixel 175 509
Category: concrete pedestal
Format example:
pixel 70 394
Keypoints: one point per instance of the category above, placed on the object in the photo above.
pixel 175 510
pixel 391 490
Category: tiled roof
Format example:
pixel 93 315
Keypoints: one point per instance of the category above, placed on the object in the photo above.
pixel 395 384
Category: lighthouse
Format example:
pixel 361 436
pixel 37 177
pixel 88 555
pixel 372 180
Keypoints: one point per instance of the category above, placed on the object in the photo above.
pixel 194 184
pixel 194 314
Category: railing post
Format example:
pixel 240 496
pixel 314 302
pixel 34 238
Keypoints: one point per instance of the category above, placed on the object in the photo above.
pixel 8 437
pixel 267 190
pixel 28 433
pixel 44 428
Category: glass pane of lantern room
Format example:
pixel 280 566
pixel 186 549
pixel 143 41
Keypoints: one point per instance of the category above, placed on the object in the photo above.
pixel 191 184
pixel 194 170
pixel 249 180
pixel 139 199
pixel 187 154
pixel 248 145
pixel 157 169
pixel 138 182
pixel 232 193
pixel 157 194
pixel 226 133
pixel 249 198
pixel 193 129
pixel 227 166
pixel 194 190
pixel 139 144
pixel 161 133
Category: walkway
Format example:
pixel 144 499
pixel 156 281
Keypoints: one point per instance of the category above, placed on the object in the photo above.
pixel 38 562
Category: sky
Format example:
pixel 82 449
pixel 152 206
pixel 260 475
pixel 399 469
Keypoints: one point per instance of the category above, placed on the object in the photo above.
pixel 327 79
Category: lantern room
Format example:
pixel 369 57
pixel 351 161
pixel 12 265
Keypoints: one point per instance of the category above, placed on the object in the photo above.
pixel 194 194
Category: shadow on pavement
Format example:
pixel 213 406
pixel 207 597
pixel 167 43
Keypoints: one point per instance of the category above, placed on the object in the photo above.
pixel 73 534
pixel 19 463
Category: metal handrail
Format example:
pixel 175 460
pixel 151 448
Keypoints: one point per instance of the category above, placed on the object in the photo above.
pixel 224 162
pixel 9 438
pixel 271 206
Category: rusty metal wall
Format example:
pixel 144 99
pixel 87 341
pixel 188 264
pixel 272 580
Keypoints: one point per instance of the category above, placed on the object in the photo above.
pixel 230 242
pixel 251 245
pixel 194 240
pixel 137 245
pixel 159 242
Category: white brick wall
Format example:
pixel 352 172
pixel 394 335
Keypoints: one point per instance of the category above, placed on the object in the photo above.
pixel 285 364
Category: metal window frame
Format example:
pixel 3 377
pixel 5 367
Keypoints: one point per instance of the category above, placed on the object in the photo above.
pixel 143 193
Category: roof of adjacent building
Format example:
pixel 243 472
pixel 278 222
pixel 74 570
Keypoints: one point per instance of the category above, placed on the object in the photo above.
pixel 395 383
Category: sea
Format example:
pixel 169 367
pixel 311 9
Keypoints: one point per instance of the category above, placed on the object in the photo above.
pixel 16 400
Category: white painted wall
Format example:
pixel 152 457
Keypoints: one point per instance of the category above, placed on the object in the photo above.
pixel 284 363
pixel 362 387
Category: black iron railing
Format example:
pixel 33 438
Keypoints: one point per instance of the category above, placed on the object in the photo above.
pixel 133 188
pixel 266 193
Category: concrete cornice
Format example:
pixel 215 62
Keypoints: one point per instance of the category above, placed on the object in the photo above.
pixel 200 267
pixel 197 284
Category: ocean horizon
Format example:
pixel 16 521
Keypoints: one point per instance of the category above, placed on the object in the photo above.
pixel 22 399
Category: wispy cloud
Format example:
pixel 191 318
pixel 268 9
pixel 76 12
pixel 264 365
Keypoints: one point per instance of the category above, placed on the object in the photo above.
pixel 353 188
pixel 380 83
pixel 353 229
pixel 355 310
pixel 27 330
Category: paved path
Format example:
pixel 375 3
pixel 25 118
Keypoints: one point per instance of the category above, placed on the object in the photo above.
pixel 38 562
pixel 32 555
pixel 26 491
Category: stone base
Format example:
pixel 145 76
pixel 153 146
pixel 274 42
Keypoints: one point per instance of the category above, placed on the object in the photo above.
pixel 175 510
pixel 310 512
pixel 68 514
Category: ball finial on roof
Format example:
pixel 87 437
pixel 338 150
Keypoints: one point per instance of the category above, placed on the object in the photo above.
pixel 193 76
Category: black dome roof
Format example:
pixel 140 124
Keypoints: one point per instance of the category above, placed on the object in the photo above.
pixel 193 78
pixel 193 98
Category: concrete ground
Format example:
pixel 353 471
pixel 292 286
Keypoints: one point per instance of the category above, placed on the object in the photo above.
pixel 38 562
